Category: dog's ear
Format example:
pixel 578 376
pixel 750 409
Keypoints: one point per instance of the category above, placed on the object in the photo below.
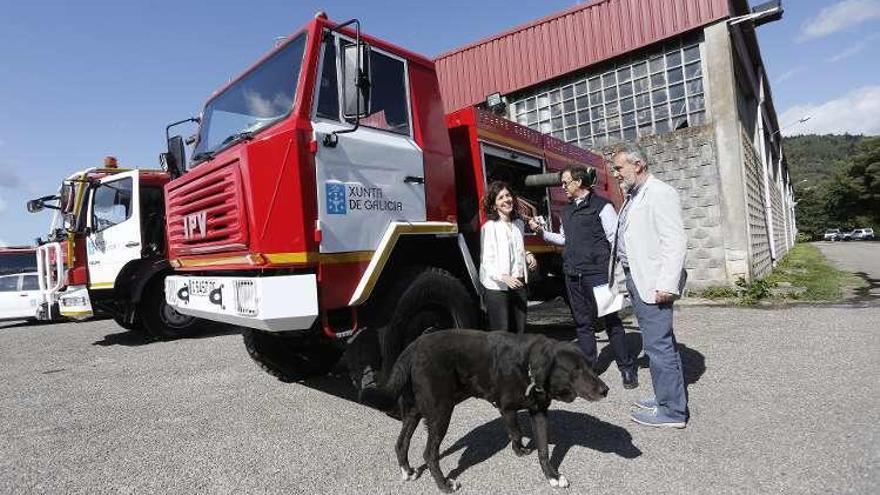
pixel 541 364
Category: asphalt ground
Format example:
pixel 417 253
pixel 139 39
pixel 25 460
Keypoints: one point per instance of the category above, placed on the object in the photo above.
pixel 782 401
pixel 859 257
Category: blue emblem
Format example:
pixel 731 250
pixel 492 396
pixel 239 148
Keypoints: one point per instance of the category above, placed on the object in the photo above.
pixel 335 193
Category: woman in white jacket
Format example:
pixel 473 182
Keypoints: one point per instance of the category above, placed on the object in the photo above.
pixel 504 262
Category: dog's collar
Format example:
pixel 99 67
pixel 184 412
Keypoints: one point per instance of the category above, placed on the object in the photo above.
pixel 532 385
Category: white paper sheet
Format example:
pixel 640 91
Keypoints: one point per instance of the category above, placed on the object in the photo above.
pixel 606 302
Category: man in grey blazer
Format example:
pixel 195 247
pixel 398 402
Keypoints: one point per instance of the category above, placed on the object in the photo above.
pixel 650 245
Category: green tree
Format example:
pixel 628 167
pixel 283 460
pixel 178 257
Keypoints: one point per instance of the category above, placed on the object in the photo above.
pixel 858 196
pixel 836 181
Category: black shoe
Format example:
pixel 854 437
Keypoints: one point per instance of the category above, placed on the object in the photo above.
pixel 630 378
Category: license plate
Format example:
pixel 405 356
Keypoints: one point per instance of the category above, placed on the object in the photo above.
pixel 201 287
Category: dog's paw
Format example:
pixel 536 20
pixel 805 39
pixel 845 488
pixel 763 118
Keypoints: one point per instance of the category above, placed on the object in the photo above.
pixel 452 485
pixel 408 474
pixel 520 450
pixel 559 482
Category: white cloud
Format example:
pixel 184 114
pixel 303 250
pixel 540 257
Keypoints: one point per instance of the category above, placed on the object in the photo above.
pixel 849 52
pixel 789 74
pixel 839 16
pixel 3 243
pixel 854 113
pixel 854 49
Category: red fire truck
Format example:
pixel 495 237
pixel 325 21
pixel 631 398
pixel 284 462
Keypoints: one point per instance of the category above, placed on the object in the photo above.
pixel 328 197
pixel 105 251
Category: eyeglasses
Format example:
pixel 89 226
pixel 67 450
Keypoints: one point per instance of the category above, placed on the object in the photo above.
pixel 566 183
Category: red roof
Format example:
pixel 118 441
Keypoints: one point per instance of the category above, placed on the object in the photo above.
pixel 564 42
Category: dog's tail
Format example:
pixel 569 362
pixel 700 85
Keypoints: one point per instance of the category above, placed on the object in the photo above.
pixel 385 397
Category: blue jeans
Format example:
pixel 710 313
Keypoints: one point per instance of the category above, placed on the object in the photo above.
pixel 655 323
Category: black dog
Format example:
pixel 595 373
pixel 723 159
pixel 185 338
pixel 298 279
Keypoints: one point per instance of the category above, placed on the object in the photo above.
pixel 513 372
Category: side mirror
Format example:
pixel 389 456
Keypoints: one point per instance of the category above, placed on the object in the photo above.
pixel 39 204
pixel 356 81
pixel 34 205
pixel 174 160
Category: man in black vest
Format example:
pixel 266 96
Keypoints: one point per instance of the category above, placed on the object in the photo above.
pixel 588 227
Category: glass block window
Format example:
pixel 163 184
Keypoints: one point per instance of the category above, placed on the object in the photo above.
pixel 653 92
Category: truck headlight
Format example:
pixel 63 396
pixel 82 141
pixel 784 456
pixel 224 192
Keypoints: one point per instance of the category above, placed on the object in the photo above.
pixel 246 300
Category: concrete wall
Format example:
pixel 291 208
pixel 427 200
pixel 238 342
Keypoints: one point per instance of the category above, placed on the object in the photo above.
pixel 721 102
pixel 687 160
pixel 761 262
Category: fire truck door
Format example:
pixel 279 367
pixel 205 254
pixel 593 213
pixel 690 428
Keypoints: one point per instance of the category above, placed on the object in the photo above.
pixel 114 228
pixel 374 175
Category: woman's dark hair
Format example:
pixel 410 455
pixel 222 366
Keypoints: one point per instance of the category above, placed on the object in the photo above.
pixel 492 191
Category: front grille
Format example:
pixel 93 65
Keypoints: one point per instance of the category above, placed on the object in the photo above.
pixel 206 214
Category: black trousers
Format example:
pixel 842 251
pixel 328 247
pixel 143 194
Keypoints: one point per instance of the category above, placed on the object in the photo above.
pixel 507 309
pixel 585 313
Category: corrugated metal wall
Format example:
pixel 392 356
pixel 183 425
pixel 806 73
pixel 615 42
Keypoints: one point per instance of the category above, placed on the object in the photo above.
pixel 565 42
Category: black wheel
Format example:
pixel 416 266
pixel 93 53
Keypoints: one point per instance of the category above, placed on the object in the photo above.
pixel 423 300
pixel 161 320
pixel 290 358
pixel 120 320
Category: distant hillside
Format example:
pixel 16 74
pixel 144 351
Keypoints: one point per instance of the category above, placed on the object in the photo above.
pixel 815 157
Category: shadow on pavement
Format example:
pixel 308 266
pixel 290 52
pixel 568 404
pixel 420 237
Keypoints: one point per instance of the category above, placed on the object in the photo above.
pixel 579 429
pixel 129 338
pixel 5 325
pixel 336 383
pixel 872 291
pixel 135 338
pixel 693 361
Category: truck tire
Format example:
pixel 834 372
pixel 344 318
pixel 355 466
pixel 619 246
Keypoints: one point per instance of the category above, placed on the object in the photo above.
pixel 161 320
pixel 135 325
pixel 425 299
pixel 287 358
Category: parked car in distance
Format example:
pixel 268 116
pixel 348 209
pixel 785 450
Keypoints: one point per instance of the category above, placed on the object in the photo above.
pixel 832 235
pixel 19 296
pixel 863 234
pixel 846 236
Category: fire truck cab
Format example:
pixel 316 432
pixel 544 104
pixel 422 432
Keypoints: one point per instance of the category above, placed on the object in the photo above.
pixel 105 251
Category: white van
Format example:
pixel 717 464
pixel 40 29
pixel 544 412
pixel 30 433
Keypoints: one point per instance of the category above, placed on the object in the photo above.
pixel 19 296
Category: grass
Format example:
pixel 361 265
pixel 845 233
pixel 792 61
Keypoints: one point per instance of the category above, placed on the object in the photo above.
pixel 717 293
pixel 805 266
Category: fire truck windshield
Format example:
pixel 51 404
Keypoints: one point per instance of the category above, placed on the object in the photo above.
pixel 262 96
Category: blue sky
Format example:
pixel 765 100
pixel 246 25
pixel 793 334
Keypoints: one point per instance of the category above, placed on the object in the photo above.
pixel 80 80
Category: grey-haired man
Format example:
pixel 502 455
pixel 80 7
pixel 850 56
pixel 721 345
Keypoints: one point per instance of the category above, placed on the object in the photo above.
pixel 650 246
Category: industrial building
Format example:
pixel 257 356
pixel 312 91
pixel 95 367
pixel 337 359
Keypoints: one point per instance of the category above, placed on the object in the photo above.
pixel 685 79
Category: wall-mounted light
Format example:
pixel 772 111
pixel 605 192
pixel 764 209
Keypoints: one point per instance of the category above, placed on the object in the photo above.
pixel 495 102
pixel 761 14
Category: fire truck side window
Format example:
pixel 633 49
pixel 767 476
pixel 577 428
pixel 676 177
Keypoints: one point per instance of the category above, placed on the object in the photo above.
pixel 388 95
pixel 112 204
pixel 152 219
pixel 328 89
